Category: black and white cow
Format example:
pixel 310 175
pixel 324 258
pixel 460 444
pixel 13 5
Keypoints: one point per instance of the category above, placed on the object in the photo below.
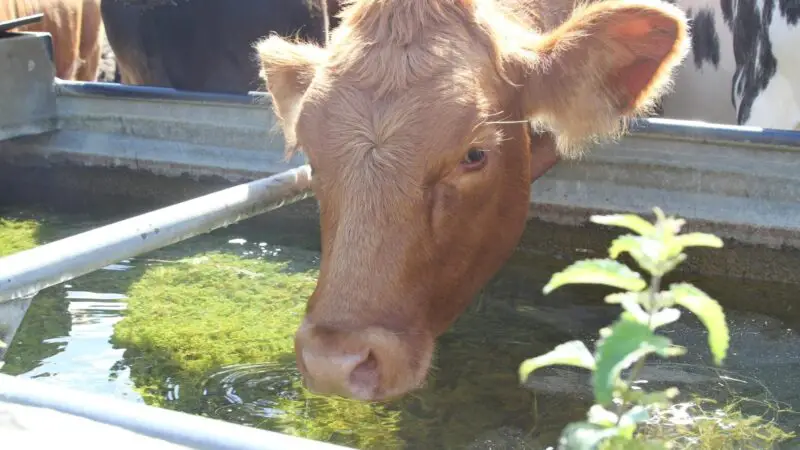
pixel 743 68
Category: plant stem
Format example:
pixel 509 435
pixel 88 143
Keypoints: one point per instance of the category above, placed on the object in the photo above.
pixel 652 291
pixel 655 287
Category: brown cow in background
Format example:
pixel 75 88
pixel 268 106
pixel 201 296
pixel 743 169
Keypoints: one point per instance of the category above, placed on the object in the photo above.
pixel 75 27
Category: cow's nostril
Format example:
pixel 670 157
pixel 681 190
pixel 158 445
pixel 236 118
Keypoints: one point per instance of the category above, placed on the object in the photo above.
pixel 348 361
pixel 365 378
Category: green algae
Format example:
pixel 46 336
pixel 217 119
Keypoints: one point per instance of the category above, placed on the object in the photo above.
pixel 17 235
pixel 347 422
pixel 191 316
pixel 222 309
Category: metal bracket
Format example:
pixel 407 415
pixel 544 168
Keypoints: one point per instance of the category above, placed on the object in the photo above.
pixel 27 92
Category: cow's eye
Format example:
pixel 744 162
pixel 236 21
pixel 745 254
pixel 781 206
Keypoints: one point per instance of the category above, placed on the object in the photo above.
pixel 474 159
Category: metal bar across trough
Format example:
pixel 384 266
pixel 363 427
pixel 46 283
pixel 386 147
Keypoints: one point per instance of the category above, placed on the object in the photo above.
pixel 113 417
pixel 25 273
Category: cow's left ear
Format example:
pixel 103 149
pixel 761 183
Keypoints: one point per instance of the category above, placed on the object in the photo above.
pixel 288 69
pixel 610 60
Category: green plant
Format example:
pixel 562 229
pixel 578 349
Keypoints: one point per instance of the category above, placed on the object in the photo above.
pixel 657 248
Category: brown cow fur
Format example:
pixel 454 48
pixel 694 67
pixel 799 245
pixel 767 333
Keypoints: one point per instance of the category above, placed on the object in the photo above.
pixel 75 27
pixel 389 115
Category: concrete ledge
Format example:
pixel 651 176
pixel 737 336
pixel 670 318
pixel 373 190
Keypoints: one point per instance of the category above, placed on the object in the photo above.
pixel 746 193
pixel 163 131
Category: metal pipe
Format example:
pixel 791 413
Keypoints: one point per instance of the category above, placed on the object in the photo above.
pixel 25 273
pixel 715 133
pixel 171 426
pixel 69 88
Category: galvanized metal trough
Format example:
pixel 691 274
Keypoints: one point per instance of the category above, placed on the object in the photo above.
pixel 740 183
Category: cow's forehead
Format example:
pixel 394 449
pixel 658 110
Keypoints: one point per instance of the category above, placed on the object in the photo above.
pixel 351 119
pixel 412 100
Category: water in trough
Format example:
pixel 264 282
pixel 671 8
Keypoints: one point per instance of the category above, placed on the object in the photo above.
pixel 205 327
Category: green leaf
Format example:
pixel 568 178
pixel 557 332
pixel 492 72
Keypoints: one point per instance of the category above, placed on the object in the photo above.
pixel 671 225
pixel 630 221
pixel 647 252
pixel 597 271
pixel 635 244
pixel 660 216
pixel 627 341
pixel 620 297
pixel 584 436
pixel 709 312
pixel 676 244
pixel 698 240
pixel 600 416
pixel 632 303
pixel 634 312
pixel 674 350
pixel 672 262
pixel 3 345
pixel 665 316
pixel 572 353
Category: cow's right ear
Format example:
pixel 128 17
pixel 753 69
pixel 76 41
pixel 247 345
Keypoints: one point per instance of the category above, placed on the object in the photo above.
pixel 607 63
pixel 288 69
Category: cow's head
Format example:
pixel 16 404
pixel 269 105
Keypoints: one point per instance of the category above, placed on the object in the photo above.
pixel 415 123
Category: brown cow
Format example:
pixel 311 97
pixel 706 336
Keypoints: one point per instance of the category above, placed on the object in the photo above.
pixel 415 121
pixel 75 26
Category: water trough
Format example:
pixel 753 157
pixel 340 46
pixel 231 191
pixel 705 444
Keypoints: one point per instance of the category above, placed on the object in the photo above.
pixel 740 183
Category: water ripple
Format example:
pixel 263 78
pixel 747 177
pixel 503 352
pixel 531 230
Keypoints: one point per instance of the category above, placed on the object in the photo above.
pixel 252 390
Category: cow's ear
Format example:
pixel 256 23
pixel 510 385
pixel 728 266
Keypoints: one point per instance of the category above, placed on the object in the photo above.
pixel 288 69
pixel 610 61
